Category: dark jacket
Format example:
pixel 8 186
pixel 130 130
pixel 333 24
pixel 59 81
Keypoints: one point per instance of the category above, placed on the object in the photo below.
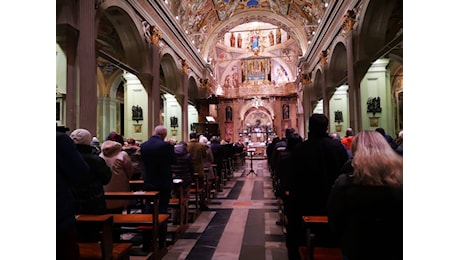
pixel 183 168
pixel 318 161
pixel 71 170
pixel 218 152
pixel 90 195
pixel 157 158
pixel 368 220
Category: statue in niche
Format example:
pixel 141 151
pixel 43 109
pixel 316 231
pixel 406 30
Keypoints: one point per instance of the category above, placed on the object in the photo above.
pixel 278 36
pixel 285 111
pixel 232 40
pixel 271 38
pixel 228 114
pixel 240 40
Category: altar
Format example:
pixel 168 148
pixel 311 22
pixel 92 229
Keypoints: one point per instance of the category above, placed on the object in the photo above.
pixel 259 149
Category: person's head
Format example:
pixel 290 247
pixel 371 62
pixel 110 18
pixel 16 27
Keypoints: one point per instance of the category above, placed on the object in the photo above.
pixel 95 142
pixel 374 161
pixel 335 136
pixel 193 135
pixel 131 141
pixel 81 136
pixel 114 136
pixel 293 140
pixel 203 139
pixel 349 132
pixel 381 131
pixel 318 124
pixel 289 131
pixel 161 131
pixel 215 139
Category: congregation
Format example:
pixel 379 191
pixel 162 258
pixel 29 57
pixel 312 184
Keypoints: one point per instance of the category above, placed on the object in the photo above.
pixel 355 181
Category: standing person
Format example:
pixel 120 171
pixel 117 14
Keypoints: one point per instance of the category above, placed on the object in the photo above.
pixel 387 137
pixel 134 152
pixel 207 163
pixel 198 152
pixel 71 171
pixel 218 152
pixel 349 135
pixel 90 196
pixel 122 170
pixel 317 163
pixel 157 158
pixel 365 207
pixel 183 167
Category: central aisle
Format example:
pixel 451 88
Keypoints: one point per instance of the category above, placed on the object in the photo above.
pixel 240 223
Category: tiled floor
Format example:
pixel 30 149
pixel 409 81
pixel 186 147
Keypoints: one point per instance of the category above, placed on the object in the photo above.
pixel 239 225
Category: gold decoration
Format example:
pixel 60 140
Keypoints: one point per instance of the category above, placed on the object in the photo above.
pixel 348 21
pixel 306 78
pixel 323 57
pixel 155 35
pixel 205 83
pixel 185 66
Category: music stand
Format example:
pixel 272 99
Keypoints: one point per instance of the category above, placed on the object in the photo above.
pixel 251 152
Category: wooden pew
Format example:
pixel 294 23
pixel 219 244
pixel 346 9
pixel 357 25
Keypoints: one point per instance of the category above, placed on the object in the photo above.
pixel 319 253
pixel 104 248
pixel 179 204
pixel 154 222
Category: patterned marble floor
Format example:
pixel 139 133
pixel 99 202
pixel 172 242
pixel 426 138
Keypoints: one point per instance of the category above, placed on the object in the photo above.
pixel 239 225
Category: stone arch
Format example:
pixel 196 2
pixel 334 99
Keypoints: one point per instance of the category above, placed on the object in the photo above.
pixel 119 35
pixel 169 67
pixel 375 31
pixel 337 73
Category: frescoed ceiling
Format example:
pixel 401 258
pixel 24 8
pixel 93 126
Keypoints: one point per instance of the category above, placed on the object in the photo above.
pixel 232 34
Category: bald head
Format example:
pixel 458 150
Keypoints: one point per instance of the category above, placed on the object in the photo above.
pixel 161 130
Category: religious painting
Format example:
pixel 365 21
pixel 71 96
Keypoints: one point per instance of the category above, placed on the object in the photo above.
pixel 228 131
pixel 256 68
pixel 280 76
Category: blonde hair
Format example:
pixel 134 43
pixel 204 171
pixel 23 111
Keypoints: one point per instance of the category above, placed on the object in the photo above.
pixel 374 162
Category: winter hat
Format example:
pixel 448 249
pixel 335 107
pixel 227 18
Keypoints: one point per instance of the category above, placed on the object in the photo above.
pixel 81 136
pixel 114 136
pixel 95 141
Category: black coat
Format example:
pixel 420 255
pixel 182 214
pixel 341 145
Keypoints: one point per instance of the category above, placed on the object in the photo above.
pixel 90 195
pixel 317 161
pixel 368 220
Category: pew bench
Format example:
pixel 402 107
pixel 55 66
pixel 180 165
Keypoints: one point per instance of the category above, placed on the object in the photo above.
pixel 152 225
pixel 104 248
pixel 314 252
pixel 178 207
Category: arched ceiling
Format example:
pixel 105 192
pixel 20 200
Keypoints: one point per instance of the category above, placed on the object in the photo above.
pixel 203 20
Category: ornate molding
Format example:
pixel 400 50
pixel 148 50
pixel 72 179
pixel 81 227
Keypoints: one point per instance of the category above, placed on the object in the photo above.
pixel 151 33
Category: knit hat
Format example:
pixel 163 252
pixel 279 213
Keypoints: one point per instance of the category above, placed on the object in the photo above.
pixel 81 136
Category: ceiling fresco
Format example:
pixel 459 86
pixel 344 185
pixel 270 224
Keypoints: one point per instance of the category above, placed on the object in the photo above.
pixel 249 44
